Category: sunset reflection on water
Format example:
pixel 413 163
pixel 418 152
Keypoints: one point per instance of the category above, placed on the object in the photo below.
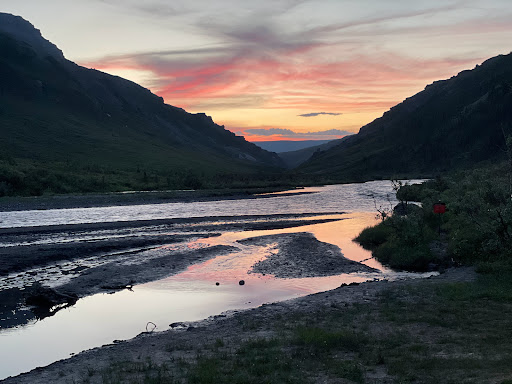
pixel 228 269
pixel 193 294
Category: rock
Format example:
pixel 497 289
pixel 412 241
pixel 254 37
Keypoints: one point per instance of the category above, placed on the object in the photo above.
pixel 118 286
pixel 178 324
pixel 217 283
pixel 46 301
pixel 40 300
pixel 241 282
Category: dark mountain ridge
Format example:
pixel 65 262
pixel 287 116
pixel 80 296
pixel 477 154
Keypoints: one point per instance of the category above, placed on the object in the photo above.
pixel 293 159
pixel 54 113
pixel 25 32
pixel 454 123
pixel 279 146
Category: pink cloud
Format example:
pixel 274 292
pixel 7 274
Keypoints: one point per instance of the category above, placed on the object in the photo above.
pixel 292 80
pixel 262 67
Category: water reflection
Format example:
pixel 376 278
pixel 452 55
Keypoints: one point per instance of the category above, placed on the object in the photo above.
pixel 192 295
pixel 332 198
pixel 189 296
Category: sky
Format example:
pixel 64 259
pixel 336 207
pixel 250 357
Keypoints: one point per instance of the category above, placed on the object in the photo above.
pixel 277 69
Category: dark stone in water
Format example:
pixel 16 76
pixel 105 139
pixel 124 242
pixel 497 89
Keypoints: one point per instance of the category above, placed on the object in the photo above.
pixel 46 301
pixel 41 300
pixel 241 282
pixel 217 283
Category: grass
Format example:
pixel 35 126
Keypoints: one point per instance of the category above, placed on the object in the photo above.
pixel 137 373
pixel 26 177
pixel 416 333
pixel 422 332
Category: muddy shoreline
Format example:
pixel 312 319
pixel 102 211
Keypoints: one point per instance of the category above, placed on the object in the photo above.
pixel 84 259
pixel 9 204
pixel 302 255
pixel 182 343
pixel 28 253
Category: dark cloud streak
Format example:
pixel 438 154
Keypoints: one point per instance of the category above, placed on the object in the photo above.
pixel 315 114
pixel 377 20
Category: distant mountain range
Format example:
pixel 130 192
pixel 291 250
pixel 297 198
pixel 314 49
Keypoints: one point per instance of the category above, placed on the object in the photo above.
pixel 294 153
pixel 452 124
pixel 288 145
pixel 293 159
pixel 65 128
pixel 61 120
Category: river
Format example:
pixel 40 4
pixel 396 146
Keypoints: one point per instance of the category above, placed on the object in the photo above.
pixel 204 289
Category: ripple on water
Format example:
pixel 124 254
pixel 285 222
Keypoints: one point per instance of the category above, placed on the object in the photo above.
pixel 192 294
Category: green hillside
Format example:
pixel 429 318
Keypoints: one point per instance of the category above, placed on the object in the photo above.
pixel 65 128
pixel 455 123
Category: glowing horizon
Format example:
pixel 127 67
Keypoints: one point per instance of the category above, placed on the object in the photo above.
pixel 283 69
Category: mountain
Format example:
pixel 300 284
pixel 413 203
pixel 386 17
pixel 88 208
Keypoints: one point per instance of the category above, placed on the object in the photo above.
pixel 66 128
pixel 454 123
pixel 288 145
pixel 293 159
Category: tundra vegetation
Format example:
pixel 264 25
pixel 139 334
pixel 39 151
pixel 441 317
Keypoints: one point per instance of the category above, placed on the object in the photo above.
pixel 427 331
pixel 475 230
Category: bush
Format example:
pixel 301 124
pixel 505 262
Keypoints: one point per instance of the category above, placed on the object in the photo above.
pixel 372 237
pixel 476 229
pixel 399 256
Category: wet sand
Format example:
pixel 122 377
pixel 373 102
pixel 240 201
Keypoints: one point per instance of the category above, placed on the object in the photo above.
pixel 8 204
pixel 173 347
pixel 73 261
pixel 302 255
pixel 13 259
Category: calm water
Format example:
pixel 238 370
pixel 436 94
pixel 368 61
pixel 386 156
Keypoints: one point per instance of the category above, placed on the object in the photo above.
pixel 332 198
pixel 192 295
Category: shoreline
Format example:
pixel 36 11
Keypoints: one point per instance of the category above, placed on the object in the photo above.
pixel 28 203
pixel 84 259
pixel 232 328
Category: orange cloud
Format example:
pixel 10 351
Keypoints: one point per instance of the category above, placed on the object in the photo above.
pixel 355 84
pixel 259 68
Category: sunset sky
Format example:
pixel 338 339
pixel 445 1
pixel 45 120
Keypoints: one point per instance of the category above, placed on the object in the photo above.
pixel 277 69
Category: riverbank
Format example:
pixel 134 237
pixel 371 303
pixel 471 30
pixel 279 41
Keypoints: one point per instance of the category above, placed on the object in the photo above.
pixel 84 259
pixel 453 328
pixel 9 204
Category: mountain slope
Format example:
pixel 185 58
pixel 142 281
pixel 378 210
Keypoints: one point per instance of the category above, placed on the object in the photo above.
pixel 289 145
pixel 293 159
pixel 453 123
pixel 62 119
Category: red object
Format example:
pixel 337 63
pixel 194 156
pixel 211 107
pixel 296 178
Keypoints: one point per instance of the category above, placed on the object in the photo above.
pixel 439 208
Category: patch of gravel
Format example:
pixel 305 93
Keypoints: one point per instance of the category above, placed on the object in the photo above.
pixel 302 255
pixel 182 343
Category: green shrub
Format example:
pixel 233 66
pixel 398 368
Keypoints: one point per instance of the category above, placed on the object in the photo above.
pixel 400 256
pixel 476 229
pixel 372 237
